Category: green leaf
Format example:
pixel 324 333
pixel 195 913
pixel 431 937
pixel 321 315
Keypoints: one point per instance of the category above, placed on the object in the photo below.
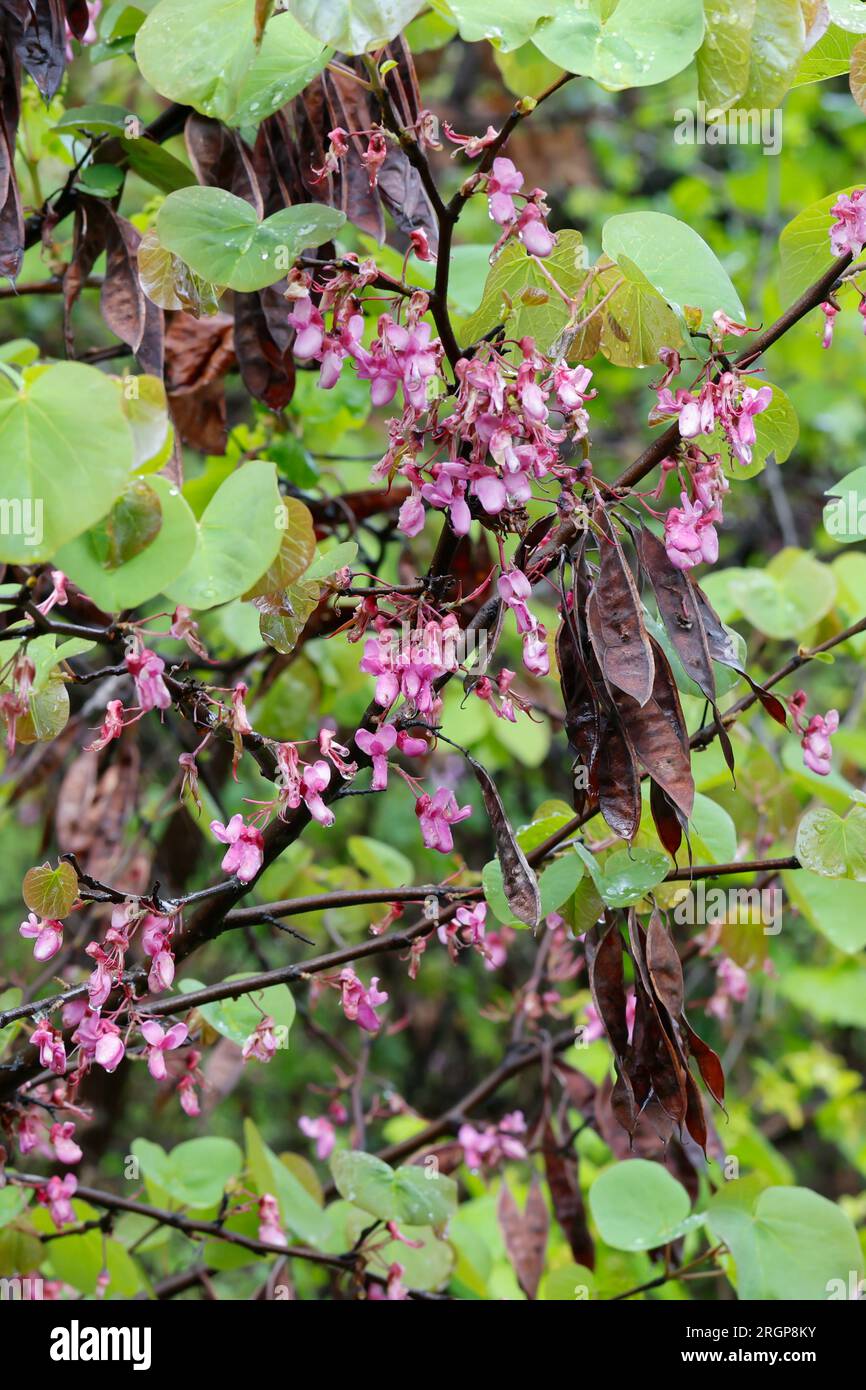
pixel 101 180
pixel 50 892
pixel 788 597
pixel 221 238
pixel 845 518
pixel 80 1259
pixel 636 321
pixel 411 1195
pixel 355 26
pixel 834 907
pixel 831 846
pixel 147 573
pixel 848 14
pixel 778 39
pixel 713 832
pixel 424 1269
pixel 384 864
pixel 830 57
pixel 99 118
pixel 237 1019
pixel 282 629
pixel 556 884
pixel 67 453
pixel 156 166
pixel 788 1245
pixel 630 44
pixel 506 23
pixel 301 1214
pixel 238 538
pixel 637 1205
pixel 675 260
pixel 518 293
pixel 626 875
pixel 804 247
pixel 13 1200
pixel 195 1173
pixel 777 430
pixel 202 53
pixel 327 562
pixel 297 548
pixel 724 57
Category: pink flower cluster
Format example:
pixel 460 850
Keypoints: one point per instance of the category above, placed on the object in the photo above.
pixel 487 1147
pixel 436 815
pixel 727 403
pixel 408 663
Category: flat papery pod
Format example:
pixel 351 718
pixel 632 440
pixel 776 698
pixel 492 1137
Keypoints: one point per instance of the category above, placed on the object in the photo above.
pixel 582 723
pixel 708 1062
pixel 679 611
pixel 664 965
pixel 657 734
pixel 519 882
pixel 661 1052
pixel 618 781
pixel 614 618
pixel 667 818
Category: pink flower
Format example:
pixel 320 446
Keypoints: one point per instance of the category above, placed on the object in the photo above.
pixel 727 325
pixel 534 231
pixel 57 1196
pixel 377 745
pixel 536 657
pixel 515 590
pixel 146 669
pixel 112 727
pixel 829 311
pixel 437 814
pixel 52 1053
pixel 262 1044
pixel 110 1050
pixel 360 1004
pixel 57 595
pixel 848 232
pixel 322 1131
pixel 314 780
pixel 47 933
pixel 246 847
pixel 448 493
pixel 817 750
pixel 502 183
pixel 374 156
pixel 159 1042
pixel 188 1094
pixel 309 329
pixel 65 1147
pixel 732 983
pixel 270 1225
pixel 690 535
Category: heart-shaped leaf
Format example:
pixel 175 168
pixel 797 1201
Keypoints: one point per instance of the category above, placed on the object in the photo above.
pixel 831 846
pixel 221 238
pixel 229 557
pixel 50 892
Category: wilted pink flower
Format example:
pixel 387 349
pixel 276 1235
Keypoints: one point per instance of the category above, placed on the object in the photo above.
pixel 262 1044
pixel 437 814
pixel 322 1131
pixel 246 847
pixel 374 156
pixel 146 669
pixel 112 727
pixel 536 657
pixel 360 1004
pixel 727 325
pixel 159 1042
pixel 47 934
